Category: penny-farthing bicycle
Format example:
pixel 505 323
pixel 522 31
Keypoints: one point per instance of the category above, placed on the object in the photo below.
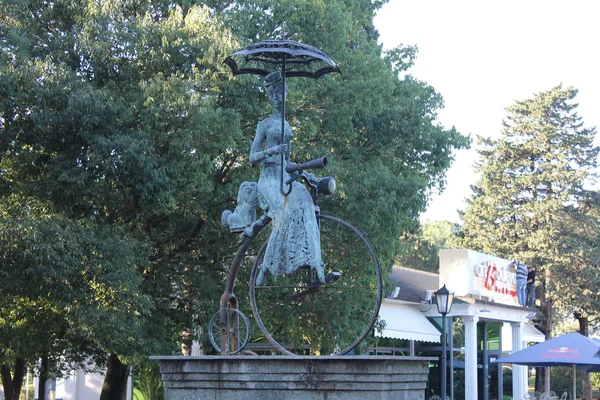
pixel 297 313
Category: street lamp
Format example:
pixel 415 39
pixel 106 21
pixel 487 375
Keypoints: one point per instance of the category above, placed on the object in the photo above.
pixel 443 299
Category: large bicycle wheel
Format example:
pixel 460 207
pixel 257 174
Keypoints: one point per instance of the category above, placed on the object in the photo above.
pixel 300 315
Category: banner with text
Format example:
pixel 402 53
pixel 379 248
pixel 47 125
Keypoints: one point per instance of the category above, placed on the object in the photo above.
pixel 469 272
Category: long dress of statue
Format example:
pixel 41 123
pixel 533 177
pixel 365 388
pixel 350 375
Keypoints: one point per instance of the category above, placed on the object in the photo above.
pixel 294 240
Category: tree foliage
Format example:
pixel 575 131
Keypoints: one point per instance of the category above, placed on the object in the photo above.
pixel 531 202
pixel 111 129
pixel 420 249
pixel 123 138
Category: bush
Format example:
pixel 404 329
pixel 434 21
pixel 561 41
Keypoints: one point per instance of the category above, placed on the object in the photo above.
pixel 595 378
pixel 148 383
pixel 561 380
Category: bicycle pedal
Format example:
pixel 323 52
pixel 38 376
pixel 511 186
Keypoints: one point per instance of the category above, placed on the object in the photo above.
pixel 332 277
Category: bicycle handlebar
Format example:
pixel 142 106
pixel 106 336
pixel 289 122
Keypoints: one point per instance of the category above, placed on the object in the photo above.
pixel 324 185
pixel 314 164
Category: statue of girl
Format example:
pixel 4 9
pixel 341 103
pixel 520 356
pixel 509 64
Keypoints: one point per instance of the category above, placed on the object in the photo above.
pixel 294 240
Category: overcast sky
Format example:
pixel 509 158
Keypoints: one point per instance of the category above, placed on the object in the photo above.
pixel 482 56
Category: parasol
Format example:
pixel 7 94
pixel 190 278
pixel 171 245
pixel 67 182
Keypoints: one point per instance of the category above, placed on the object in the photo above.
pixel 287 56
pixel 572 349
pixel 298 59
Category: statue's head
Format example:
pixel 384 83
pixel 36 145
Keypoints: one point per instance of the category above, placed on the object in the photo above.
pixel 273 82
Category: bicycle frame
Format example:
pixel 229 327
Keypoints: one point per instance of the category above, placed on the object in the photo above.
pixel 228 299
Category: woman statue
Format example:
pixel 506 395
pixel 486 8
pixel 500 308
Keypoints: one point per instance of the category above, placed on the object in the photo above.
pixel 294 240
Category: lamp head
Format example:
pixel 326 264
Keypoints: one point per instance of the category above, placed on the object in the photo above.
pixel 444 299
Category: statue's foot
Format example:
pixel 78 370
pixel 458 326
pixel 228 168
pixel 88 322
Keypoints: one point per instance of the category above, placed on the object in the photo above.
pixel 260 277
pixel 321 274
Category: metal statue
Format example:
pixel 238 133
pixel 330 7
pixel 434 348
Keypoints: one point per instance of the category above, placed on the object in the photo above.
pixel 294 240
pixel 315 285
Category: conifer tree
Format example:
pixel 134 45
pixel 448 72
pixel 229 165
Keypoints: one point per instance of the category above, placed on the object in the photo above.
pixel 531 202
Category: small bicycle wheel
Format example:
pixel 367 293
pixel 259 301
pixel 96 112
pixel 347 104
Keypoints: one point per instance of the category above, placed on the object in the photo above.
pixel 300 315
pixel 237 330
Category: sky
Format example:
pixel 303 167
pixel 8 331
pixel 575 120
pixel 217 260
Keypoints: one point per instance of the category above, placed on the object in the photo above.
pixel 483 56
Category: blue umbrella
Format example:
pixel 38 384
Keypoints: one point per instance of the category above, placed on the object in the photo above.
pixel 572 349
pixel 596 367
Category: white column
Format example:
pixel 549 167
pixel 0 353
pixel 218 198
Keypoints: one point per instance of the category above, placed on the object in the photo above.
pixel 471 356
pixel 79 384
pixel 129 394
pixel 68 387
pixel 519 371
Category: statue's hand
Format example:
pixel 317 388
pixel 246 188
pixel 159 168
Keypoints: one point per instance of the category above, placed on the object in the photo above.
pixel 311 178
pixel 248 232
pixel 281 148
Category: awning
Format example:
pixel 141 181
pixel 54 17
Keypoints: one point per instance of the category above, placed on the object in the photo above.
pixel 406 322
pixel 532 334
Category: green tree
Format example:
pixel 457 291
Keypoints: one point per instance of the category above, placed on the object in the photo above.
pixel 530 202
pixel 420 250
pixel 119 121
pixel 69 289
pixel 109 121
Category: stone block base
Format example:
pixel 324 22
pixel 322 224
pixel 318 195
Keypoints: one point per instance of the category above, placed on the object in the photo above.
pixel 294 378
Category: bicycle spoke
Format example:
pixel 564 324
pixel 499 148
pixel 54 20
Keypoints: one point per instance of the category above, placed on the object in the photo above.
pixel 299 311
pixel 364 311
pixel 343 320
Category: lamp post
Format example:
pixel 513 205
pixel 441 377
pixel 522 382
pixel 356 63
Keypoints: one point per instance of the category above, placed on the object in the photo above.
pixel 443 299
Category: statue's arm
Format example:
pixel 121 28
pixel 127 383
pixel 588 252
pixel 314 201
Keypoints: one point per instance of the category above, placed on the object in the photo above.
pixel 251 230
pixel 256 155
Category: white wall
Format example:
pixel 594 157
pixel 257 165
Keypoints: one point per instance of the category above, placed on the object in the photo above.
pixel 82 386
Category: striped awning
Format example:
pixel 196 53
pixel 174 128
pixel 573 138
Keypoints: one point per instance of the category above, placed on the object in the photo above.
pixel 403 321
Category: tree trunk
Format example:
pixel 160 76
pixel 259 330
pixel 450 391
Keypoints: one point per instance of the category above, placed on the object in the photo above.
pixel 586 383
pixel 12 385
pixel 186 333
pixel 186 342
pixel 542 377
pixel 115 381
pixel 43 378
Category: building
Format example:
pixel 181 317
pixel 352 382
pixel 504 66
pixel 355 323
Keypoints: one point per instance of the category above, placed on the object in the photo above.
pixel 78 385
pixel 486 322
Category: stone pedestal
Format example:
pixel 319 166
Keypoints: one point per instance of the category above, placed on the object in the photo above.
pixel 294 378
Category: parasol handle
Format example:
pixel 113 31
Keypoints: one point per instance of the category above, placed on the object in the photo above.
pixel 281 189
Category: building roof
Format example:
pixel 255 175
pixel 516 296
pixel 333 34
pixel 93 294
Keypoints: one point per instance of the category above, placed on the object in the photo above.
pixel 417 287
pixel 414 284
